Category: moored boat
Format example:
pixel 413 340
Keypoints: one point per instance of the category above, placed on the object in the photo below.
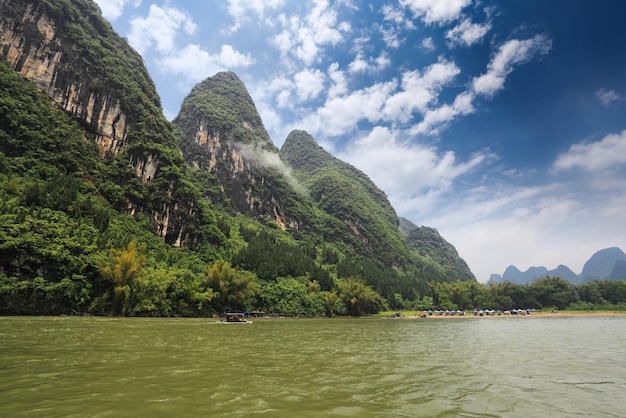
pixel 235 318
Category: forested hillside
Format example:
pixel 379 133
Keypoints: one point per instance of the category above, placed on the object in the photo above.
pixel 107 208
pixel 428 243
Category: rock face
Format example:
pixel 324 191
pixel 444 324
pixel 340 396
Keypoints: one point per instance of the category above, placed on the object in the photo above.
pixel 221 132
pixel 33 44
pixel 73 55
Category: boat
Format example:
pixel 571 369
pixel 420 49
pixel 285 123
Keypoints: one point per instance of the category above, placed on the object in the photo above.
pixel 235 318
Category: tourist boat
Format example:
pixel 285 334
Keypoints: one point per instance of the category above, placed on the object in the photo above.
pixel 235 318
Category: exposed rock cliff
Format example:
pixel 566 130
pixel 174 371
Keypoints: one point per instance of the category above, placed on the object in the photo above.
pixel 73 55
pixel 221 131
pixel 34 44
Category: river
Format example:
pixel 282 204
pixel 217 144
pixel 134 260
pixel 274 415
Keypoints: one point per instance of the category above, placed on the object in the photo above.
pixel 465 367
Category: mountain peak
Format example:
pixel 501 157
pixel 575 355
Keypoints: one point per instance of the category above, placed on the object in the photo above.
pixel 609 263
pixel 223 107
pixel 303 152
pixel 601 264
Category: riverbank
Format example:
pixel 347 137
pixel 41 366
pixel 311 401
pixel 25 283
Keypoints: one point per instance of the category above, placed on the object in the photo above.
pixel 470 314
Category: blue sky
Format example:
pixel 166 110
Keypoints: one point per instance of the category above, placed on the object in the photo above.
pixel 499 123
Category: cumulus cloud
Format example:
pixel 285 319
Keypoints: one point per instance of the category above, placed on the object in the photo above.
pixel 305 37
pixel 309 83
pixel 394 22
pixel 339 81
pixel 467 33
pixel 341 114
pixel 240 10
pixel 419 90
pixel 405 169
pixel 511 53
pixel 159 29
pixel 194 64
pixel 390 101
pixel 436 11
pixel 608 152
pixel 435 119
pixel 607 97
pixel 428 44
pixel 162 30
pixel 393 14
pixel 363 65
pixel 112 9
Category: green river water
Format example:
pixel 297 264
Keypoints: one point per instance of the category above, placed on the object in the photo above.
pixel 472 367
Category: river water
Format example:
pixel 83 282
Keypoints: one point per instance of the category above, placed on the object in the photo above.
pixel 466 367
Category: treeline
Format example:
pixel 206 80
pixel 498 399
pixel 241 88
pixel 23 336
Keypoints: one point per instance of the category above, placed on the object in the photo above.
pixel 133 282
pixel 548 292
pixel 66 246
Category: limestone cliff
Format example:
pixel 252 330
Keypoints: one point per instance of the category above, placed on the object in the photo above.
pixel 33 42
pixel 220 131
pixel 73 55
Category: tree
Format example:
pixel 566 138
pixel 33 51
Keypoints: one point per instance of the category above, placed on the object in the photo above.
pixel 553 291
pixel 232 288
pixel 121 269
pixel 331 302
pixel 359 298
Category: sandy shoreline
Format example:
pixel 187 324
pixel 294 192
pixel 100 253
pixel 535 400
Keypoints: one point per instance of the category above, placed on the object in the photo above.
pixel 531 315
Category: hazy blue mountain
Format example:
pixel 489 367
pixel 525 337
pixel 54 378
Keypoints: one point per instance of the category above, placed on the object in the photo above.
pixel 619 271
pixel 565 273
pixel 601 264
pixel 609 263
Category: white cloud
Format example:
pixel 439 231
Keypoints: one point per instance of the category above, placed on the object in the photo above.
pixel 603 154
pixel 428 44
pixel 503 225
pixel 162 31
pixel 393 25
pixel 381 102
pixel 230 58
pixel 159 29
pixel 239 10
pixel 418 91
pixel 340 83
pixel 306 37
pixel 467 33
pixel 510 54
pixel 436 11
pixel 405 169
pixel 112 9
pixel 607 97
pixel 435 119
pixel 513 52
pixel 309 84
pixel 195 64
pixel 360 64
pixel 340 115
pixel 393 14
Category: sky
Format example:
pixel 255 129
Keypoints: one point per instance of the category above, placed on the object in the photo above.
pixel 499 123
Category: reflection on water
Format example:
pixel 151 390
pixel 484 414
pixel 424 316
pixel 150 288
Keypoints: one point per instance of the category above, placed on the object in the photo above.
pixel 472 367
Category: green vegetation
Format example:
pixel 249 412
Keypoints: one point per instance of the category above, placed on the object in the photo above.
pixel 427 243
pixel 544 293
pixel 81 233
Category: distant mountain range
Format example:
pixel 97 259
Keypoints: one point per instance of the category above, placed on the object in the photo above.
pixel 606 264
